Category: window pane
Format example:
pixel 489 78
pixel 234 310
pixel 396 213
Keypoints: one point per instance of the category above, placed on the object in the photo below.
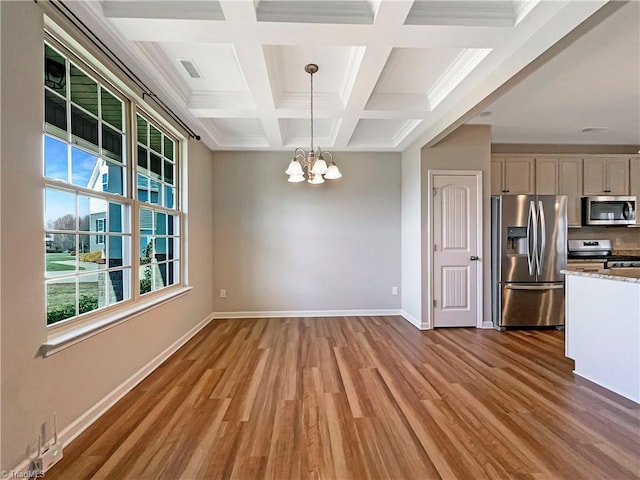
pixel 55 75
pixel 160 276
pixel 168 148
pixel 58 254
pixel 143 188
pixel 146 279
pixel 172 275
pixel 55 159
pixel 114 179
pixel 116 251
pixel 116 218
pixel 161 223
pixel 61 299
pixel 55 113
pixel 111 143
pixel 143 130
pixel 160 249
pixel 170 222
pixel 155 139
pixel 112 109
pixel 91 290
pixel 116 282
pixel 83 165
pixel 143 162
pixel 84 128
pixel 92 214
pixel 170 249
pixel 60 210
pixel 92 253
pixel 84 246
pixel 146 250
pixel 146 221
pixel 169 197
pixel 84 91
pixel 168 172
pixel 154 192
pixel 155 166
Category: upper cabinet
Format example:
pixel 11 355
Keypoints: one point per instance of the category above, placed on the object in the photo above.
pixel 606 176
pixel 513 175
pixel 547 176
pixel 634 181
pixel 561 176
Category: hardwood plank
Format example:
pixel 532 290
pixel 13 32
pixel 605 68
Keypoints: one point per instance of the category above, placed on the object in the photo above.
pixel 359 398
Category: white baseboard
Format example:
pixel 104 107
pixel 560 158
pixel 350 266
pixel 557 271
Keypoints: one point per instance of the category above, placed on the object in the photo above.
pixel 414 321
pixel 69 433
pixel 487 325
pixel 306 313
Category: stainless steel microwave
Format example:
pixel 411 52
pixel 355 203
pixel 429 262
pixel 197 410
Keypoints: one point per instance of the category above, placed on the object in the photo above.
pixel 606 210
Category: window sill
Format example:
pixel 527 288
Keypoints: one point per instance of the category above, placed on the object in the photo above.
pixel 66 337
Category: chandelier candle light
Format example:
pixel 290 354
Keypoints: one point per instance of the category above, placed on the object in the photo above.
pixel 314 163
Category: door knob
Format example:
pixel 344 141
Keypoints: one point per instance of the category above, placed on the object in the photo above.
pixel 473 257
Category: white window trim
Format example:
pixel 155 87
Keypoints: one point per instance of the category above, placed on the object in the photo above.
pixel 65 336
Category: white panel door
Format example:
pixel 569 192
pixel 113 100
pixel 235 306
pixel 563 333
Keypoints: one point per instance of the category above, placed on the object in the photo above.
pixel 455 255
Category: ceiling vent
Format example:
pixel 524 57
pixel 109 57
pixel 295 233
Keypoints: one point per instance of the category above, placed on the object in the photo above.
pixel 191 69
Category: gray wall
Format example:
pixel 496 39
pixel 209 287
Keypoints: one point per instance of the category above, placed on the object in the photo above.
pixel 72 381
pixel 411 235
pixel 279 246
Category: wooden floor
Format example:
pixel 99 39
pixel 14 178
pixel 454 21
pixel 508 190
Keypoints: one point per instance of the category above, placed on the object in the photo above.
pixel 361 397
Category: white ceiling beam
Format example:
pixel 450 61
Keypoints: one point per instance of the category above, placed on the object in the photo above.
pixel 389 20
pixel 253 65
pixel 203 31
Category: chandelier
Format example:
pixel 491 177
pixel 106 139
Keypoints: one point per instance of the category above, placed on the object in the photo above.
pixel 313 163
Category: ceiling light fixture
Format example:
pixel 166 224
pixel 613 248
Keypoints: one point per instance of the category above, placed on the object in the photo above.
pixel 313 163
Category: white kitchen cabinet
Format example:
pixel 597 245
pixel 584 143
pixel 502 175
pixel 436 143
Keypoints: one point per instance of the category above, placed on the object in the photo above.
pixel 547 176
pixel 634 181
pixel 513 175
pixel 562 176
pixel 570 184
pixel 606 176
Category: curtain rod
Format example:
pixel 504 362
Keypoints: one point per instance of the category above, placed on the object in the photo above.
pixel 105 50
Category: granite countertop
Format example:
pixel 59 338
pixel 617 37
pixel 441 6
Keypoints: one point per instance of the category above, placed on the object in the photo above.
pixel 632 277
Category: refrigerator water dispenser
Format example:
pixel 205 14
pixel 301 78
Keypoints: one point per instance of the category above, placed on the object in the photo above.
pixel 517 241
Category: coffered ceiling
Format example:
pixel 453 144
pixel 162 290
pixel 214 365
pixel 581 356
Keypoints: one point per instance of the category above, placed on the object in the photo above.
pixel 391 72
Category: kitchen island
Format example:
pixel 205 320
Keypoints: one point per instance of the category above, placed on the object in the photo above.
pixel 602 333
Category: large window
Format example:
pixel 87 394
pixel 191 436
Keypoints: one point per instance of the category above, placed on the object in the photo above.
pixel 94 257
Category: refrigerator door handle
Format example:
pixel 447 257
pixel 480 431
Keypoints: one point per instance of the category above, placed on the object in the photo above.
pixel 543 235
pixel 511 286
pixel 532 232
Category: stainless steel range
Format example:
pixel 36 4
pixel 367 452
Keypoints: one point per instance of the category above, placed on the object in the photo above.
pixel 599 255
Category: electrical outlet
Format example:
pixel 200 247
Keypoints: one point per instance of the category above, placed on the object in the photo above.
pixel 223 293
pixel 394 290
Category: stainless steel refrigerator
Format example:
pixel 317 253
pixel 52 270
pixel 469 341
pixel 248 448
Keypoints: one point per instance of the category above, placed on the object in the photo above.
pixel 528 250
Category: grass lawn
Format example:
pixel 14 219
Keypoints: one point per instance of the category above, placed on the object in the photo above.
pixel 64 293
pixel 52 264
pixel 61 293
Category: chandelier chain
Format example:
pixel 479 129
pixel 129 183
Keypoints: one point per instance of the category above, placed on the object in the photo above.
pixel 311 112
